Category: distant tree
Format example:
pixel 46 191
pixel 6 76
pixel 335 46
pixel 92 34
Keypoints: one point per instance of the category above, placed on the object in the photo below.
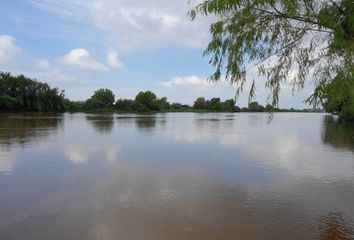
pixel 200 103
pixel 102 98
pixel 255 107
pixel 22 93
pixel 125 104
pixel 269 108
pixel 139 107
pixel 229 105
pixel 261 108
pixel 163 104
pixel 148 99
pixel 73 106
pixel 176 106
pixel 215 104
pixel 237 109
pixel 8 103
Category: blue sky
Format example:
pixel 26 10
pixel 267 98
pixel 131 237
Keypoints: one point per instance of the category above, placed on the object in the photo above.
pixel 124 45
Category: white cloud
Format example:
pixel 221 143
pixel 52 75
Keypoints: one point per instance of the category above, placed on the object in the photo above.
pixel 147 19
pixel 80 58
pixel 148 24
pixel 42 63
pixel 132 25
pixel 8 50
pixel 189 81
pixel 113 60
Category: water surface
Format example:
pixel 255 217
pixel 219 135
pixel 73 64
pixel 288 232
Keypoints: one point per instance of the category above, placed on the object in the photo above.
pixel 176 176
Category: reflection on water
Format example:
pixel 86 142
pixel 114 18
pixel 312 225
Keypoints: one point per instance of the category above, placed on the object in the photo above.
pixel 175 176
pixel 23 127
pixel 102 123
pixel 338 134
pixel 17 130
pixel 145 123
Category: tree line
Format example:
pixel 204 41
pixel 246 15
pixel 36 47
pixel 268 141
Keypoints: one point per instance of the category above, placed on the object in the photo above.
pixel 22 93
pixel 104 100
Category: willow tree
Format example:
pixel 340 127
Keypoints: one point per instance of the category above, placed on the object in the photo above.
pixel 284 40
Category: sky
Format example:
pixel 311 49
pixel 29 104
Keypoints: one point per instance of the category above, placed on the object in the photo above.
pixel 126 46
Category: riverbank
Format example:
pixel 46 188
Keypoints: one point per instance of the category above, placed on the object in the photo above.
pixel 191 110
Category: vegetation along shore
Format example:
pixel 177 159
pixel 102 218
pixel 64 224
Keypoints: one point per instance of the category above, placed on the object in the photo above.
pixel 20 93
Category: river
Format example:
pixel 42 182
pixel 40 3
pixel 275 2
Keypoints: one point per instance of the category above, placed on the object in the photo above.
pixel 176 176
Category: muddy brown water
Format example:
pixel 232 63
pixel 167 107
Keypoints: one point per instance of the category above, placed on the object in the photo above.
pixel 176 176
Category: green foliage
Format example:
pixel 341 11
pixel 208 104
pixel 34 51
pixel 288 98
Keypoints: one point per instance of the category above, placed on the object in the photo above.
pixel 284 39
pixel 139 107
pixel 255 107
pixel 8 103
pixel 148 99
pixel 176 106
pixel 102 98
pixel 337 96
pixel 21 93
pixel 125 104
pixel 73 106
pixel 237 109
pixel 269 108
pixel 214 104
pixel 229 105
pixel 200 103
pixel 163 104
